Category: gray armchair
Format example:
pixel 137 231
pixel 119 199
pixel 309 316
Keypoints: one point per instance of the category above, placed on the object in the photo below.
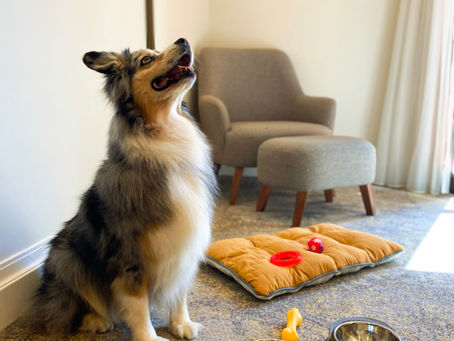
pixel 247 96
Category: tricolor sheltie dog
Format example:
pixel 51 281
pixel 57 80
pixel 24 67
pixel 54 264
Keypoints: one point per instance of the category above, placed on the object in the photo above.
pixel 143 226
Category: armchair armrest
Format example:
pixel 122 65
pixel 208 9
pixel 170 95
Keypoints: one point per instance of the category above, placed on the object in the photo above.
pixel 321 110
pixel 215 121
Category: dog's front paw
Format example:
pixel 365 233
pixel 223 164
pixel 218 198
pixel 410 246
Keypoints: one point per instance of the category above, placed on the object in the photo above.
pixel 186 330
pixel 95 324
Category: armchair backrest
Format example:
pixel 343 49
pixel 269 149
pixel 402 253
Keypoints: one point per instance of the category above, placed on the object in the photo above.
pixel 254 84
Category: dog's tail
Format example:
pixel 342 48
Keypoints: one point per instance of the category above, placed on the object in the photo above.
pixel 56 309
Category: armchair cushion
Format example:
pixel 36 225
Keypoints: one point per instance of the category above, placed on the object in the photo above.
pixel 244 138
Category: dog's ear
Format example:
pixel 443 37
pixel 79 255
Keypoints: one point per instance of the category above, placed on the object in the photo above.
pixel 104 62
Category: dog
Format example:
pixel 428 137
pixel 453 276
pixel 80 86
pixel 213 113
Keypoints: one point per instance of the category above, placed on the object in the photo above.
pixel 144 225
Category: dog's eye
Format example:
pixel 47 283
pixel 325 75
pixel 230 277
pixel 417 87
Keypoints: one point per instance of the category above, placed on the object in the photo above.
pixel 145 60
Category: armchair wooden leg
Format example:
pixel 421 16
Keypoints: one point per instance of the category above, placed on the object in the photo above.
pixel 235 184
pixel 299 208
pixel 368 199
pixel 329 194
pixel 216 168
pixel 262 199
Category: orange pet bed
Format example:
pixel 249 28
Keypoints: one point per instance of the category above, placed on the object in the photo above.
pixel 247 260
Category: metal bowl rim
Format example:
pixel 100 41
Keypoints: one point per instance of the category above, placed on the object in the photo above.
pixel 375 323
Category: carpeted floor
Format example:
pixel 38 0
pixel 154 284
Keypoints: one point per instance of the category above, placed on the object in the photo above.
pixel 418 304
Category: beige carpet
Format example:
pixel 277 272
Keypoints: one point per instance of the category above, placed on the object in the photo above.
pixel 418 304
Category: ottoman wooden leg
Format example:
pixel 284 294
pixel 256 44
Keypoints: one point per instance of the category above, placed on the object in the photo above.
pixel 262 200
pixel 235 184
pixel 368 199
pixel 299 208
pixel 329 194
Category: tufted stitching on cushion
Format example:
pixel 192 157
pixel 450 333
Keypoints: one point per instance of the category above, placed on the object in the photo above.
pixel 247 259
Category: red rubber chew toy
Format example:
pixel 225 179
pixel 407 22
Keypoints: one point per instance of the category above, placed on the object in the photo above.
pixel 315 245
pixel 286 258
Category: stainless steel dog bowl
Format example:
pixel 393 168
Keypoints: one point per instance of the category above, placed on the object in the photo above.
pixel 362 329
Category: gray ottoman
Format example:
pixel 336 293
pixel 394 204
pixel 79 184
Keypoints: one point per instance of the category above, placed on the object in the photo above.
pixel 308 163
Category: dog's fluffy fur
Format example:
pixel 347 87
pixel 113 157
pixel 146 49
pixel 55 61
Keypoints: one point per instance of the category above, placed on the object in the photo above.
pixel 144 224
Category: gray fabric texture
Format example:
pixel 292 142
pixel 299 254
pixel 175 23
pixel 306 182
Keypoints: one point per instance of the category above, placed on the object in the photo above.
pixel 242 141
pixel 306 163
pixel 215 124
pixel 321 110
pixel 252 85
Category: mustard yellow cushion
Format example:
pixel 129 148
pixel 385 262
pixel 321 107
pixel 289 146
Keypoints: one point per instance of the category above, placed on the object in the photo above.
pixel 247 260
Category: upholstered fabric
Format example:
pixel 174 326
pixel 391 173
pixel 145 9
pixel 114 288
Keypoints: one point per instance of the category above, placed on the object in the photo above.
pixel 306 163
pixel 247 85
pixel 215 124
pixel 247 260
pixel 254 84
pixel 321 110
pixel 243 139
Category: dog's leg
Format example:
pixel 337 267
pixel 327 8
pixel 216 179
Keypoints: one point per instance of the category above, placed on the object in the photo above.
pixel 134 310
pixel 94 323
pixel 97 320
pixel 180 323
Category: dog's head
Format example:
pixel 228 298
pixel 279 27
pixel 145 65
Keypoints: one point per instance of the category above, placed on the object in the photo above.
pixel 149 81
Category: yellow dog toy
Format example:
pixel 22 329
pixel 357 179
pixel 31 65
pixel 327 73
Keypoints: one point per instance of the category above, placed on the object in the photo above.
pixel 294 319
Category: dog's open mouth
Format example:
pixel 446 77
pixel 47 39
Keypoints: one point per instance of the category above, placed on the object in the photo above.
pixel 181 70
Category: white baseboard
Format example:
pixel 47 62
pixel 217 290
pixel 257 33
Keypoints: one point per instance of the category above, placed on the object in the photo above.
pixel 19 277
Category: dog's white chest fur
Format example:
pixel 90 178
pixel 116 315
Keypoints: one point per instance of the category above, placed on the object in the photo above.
pixel 179 246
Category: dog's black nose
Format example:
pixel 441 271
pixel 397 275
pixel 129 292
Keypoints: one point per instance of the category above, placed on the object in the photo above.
pixel 182 41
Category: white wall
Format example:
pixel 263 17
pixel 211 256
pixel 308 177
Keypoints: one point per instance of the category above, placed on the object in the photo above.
pixel 339 49
pixel 53 118
pixel 175 19
pixel 188 19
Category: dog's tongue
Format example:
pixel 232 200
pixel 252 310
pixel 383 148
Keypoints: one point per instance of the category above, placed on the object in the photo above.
pixel 162 82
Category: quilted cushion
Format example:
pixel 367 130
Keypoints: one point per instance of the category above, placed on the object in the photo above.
pixel 247 259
